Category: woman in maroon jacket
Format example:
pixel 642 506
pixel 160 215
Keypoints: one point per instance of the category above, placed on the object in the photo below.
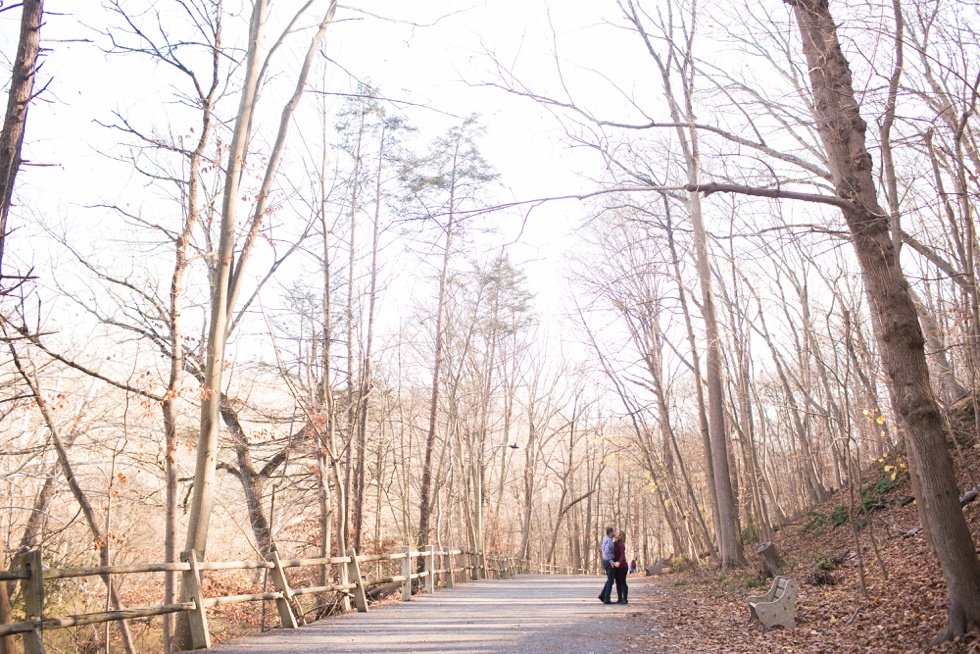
pixel 621 566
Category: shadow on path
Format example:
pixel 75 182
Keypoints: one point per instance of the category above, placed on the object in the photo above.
pixel 530 613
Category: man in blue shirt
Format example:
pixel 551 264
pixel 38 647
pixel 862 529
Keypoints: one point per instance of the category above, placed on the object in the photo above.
pixel 607 556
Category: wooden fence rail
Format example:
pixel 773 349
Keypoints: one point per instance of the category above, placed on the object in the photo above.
pixel 451 566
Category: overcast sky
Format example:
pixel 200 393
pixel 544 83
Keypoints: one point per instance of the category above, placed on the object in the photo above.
pixel 434 67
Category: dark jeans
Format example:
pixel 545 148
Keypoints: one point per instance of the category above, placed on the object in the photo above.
pixel 610 578
pixel 622 590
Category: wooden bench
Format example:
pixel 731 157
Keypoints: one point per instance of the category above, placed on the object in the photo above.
pixel 777 608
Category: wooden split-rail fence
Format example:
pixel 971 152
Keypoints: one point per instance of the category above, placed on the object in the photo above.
pixel 455 566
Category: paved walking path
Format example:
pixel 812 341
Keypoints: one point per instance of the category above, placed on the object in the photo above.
pixel 535 614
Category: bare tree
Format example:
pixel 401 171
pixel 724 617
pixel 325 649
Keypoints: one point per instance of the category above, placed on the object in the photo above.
pixel 206 96
pixel 228 277
pixel 454 172
pixel 100 537
pixel 19 96
pixel 842 133
pixel 841 129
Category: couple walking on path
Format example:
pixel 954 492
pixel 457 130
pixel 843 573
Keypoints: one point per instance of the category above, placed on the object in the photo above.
pixel 615 565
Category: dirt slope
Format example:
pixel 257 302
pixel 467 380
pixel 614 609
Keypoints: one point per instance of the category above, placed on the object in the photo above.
pixel 706 612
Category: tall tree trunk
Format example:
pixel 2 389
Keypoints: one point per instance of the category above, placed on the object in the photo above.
pixel 366 382
pixel 228 273
pixel 325 392
pixel 430 439
pixel 355 453
pixel 682 116
pixel 227 277
pixel 19 96
pixel 655 366
pixel 207 447
pixel 177 358
pixel 742 401
pixel 842 131
pixel 728 538
pixel 695 365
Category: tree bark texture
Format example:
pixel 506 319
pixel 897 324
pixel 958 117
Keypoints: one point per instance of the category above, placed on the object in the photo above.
pixel 15 120
pixel 169 406
pixel 695 366
pixel 253 480
pixel 842 131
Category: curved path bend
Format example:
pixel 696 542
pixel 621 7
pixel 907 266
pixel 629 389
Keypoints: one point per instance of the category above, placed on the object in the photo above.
pixel 531 613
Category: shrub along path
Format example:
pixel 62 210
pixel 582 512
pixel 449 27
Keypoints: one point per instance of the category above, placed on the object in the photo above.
pixel 536 614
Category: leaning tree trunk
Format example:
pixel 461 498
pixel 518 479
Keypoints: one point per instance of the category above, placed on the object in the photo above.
pixel 227 275
pixel 842 131
pixel 18 97
pixel 100 540
pixel 207 446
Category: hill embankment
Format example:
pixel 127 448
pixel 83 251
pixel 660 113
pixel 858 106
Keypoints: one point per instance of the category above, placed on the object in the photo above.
pixel 869 581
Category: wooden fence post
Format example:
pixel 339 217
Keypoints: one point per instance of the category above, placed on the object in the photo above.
pixel 464 557
pixel 344 580
pixel 32 589
pixel 430 567
pixel 354 573
pixel 197 618
pixel 407 573
pixel 284 604
pixel 6 642
pixel 448 575
pixel 474 566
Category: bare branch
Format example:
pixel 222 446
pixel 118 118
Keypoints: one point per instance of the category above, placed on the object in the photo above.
pixel 710 188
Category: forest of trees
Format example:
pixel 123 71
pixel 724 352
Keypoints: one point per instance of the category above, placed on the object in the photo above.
pixel 297 322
